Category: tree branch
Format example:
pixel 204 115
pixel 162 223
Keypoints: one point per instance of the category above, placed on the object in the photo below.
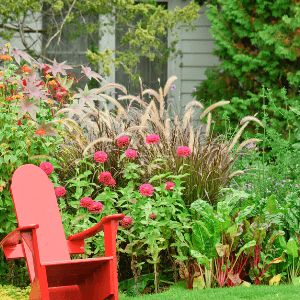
pixel 62 24
pixel 39 55
pixel 26 31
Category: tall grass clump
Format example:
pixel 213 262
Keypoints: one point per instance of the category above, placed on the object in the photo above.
pixel 205 171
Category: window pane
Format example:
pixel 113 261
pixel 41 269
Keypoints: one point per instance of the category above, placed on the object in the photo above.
pixel 73 53
pixel 148 73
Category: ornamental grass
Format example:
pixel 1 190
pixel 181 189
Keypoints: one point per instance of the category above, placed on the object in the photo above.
pixel 156 133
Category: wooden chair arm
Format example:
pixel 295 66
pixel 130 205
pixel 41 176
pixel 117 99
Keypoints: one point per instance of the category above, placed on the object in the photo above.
pixel 13 237
pixel 95 229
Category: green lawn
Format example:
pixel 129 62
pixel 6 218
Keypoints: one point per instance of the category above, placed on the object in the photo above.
pixel 281 292
pixel 288 292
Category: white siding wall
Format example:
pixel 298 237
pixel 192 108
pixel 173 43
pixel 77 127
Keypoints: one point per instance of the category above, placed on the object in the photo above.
pixel 197 49
pixel 108 41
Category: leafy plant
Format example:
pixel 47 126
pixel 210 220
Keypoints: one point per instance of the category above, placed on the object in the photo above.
pixel 258 46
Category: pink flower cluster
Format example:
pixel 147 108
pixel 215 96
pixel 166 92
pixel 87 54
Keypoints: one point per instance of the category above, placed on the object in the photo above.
pixel 47 167
pixel 169 186
pixel 60 191
pixel 184 151
pixel 152 139
pixel 93 207
pixel 146 189
pixel 152 216
pixel 97 207
pixel 123 141
pixel 107 179
pixel 126 222
pixel 131 154
pixel 100 157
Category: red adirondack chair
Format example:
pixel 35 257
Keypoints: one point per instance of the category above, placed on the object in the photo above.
pixel 43 244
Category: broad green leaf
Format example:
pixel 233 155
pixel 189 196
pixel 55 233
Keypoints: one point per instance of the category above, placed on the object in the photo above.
pixel 271 205
pixel 246 246
pixel 202 207
pixel 296 146
pixel 243 214
pixel 292 248
pixel 272 238
pixel 201 259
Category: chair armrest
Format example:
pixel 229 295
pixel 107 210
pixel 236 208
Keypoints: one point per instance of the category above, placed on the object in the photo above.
pixel 95 229
pixel 13 237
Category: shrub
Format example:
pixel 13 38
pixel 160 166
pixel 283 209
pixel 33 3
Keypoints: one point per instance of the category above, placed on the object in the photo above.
pixel 257 45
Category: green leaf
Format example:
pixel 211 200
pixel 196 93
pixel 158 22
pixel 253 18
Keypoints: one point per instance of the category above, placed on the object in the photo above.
pixel 159 177
pixel 73 204
pixel 157 160
pixel 232 231
pixel 202 207
pixel 292 248
pixel 297 132
pixel 122 157
pixel 201 259
pixel 243 214
pixel 296 146
pixel 271 205
pixel 246 246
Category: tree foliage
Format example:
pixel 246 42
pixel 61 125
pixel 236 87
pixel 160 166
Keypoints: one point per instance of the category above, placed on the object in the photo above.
pixel 142 38
pixel 258 44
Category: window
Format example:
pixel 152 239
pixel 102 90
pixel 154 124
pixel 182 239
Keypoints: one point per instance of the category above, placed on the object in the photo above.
pixel 73 53
pixel 148 73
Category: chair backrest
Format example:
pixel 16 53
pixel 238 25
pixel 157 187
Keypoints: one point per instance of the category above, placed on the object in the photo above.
pixel 35 203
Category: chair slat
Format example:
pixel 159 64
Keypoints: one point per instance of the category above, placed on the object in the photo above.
pixel 35 203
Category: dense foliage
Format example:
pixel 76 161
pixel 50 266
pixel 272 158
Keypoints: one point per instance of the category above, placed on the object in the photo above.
pixel 258 44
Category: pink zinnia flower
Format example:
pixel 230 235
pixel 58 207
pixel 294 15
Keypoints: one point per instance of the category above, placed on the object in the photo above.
pixel 123 141
pixel 153 216
pixel 96 207
pixel 184 151
pixel 86 202
pixel 146 189
pixel 126 222
pixel 100 157
pixel 152 139
pixel 169 185
pixel 47 167
pixel 131 153
pixel 112 182
pixel 60 191
pixel 105 178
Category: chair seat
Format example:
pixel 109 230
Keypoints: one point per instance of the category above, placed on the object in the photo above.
pixel 73 272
